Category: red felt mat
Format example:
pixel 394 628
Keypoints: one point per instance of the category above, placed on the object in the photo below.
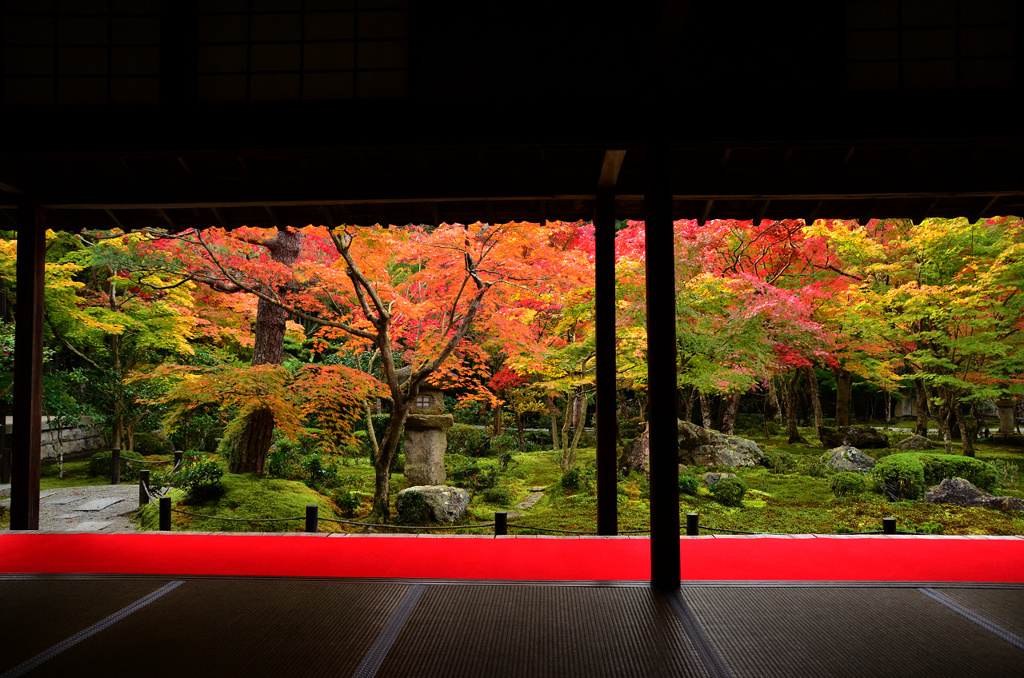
pixel 754 558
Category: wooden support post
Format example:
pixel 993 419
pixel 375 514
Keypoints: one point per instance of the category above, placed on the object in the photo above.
pixel 661 374
pixel 28 369
pixel 604 311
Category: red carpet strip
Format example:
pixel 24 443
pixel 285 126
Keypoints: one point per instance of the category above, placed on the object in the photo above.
pixel 899 559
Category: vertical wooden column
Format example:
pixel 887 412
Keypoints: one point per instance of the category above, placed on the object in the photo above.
pixel 604 317
pixel 28 369
pixel 661 373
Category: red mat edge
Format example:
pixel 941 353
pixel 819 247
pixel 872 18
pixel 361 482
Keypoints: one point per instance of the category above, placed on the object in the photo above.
pixel 609 559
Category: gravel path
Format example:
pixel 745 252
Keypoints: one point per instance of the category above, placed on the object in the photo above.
pixel 66 509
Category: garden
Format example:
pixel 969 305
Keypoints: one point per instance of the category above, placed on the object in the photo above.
pixel 290 367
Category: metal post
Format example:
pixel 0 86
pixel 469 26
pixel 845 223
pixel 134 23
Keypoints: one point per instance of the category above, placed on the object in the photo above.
pixel 888 526
pixel 661 373
pixel 311 518
pixel 143 487
pixel 165 514
pixel 500 524
pixel 692 526
pixel 115 466
pixel 28 368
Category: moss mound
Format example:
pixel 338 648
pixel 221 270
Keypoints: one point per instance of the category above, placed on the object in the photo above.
pixel 245 496
pixel 908 474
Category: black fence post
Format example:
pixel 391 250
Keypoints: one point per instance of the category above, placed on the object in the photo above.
pixel 692 528
pixel 312 518
pixel 115 466
pixel 500 523
pixel 177 458
pixel 165 514
pixel 888 526
pixel 143 487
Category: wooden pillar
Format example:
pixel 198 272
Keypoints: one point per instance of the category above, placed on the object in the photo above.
pixel 661 373
pixel 604 312
pixel 28 369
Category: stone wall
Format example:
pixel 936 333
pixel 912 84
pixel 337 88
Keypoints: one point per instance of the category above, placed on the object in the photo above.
pixel 78 440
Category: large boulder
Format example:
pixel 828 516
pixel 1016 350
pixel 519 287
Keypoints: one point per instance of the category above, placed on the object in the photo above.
pixel 847 458
pixel 425 445
pixel 432 503
pixel 963 493
pixel 702 447
pixel 915 442
pixel 636 453
pixel 861 437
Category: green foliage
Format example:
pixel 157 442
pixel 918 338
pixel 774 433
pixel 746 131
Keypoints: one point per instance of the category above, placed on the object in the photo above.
pixel 778 461
pixel 100 463
pixel 501 496
pixel 411 508
pixel 200 480
pixel 398 463
pixel 931 527
pixel 506 442
pixel 147 443
pixel 729 491
pixel 900 476
pixel 571 479
pixel 1008 473
pixel 846 483
pixel 467 440
pixel 283 462
pixel 320 471
pixel 474 478
pixel 907 475
pixel 940 466
pixel 348 501
pixel 689 485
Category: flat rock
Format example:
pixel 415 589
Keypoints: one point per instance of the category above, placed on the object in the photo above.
pixel 848 458
pixel 98 504
pixel 963 493
pixel 915 442
pixel 861 437
pixel 444 504
pixel 61 501
pixel 530 500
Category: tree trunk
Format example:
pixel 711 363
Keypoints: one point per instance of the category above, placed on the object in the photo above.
pixel 554 421
pixel 921 427
pixel 572 449
pixel 888 407
pixel 519 427
pixel 729 414
pixel 789 398
pixel 688 401
pixel 5 449
pixel 966 432
pixel 705 411
pixel 247 451
pixel 623 406
pixel 771 403
pixel 564 448
pixel 496 423
pixel 944 420
pixel 844 387
pixel 267 350
pixel 812 380
pixel 382 464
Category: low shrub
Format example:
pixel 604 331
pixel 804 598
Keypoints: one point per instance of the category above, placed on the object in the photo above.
pixel 348 501
pixel 779 462
pixel 468 441
pixel 282 462
pixel 729 491
pixel 1008 472
pixel 199 478
pixel 320 471
pixel 689 485
pixel 815 468
pixel 506 442
pixel 500 496
pixel 473 477
pixel 147 443
pixel 100 463
pixel 411 507
pixel 571 479
pixel 846 483
pixel 908 474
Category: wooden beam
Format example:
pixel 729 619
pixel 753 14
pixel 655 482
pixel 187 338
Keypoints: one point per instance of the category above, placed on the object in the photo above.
pixel 661 374
pixel 610 166
pixel 28 368
pixel 989 204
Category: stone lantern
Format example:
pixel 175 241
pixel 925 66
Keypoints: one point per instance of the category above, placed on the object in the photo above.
pixel 425 438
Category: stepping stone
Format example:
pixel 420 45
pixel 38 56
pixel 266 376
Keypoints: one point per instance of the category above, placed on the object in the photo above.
pixel 98 504
pixel 537 489
pixel 63 500
pixel 530 501
pixel 91 526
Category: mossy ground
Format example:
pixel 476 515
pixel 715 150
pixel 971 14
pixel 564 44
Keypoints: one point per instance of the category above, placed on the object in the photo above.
pixel 76 473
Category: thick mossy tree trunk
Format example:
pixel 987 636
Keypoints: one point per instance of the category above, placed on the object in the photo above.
pixel 250 449
pixel 553 411
pixel 705 410
pixel 382 463
pixel 729 415
pixel 844 389
pixel 789 399
pixel 967 431
pixel 812 381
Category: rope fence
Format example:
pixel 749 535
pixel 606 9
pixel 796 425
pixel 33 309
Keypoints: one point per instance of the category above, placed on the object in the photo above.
pixel 501 525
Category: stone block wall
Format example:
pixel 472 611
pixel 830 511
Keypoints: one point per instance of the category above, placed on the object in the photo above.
pixel 82 439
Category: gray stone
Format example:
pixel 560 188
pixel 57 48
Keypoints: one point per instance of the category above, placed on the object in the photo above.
pixel 91 526
pixel 5 490
pixel 636 453
pixel 99 504
pixel 424 456
pixel 861 437
pixel 425 422
pixel 61 501
pixel 444 504
pixel 427 401
pixel 703 447
pixel 915 442
pixel 847 458
pixel 711 479
pixel 963 493
pixel 530 500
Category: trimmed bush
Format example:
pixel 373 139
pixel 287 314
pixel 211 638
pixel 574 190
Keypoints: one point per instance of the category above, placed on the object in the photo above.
pixel 908 474
pixel 729 491
pixel 497 495
pixel 152 443
pixel 99 465
pixel 779 462
pixel 846 483
pixel 411 508
pixel 688 485
pixel 348 501
pixel 468 441
pixel 571 479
